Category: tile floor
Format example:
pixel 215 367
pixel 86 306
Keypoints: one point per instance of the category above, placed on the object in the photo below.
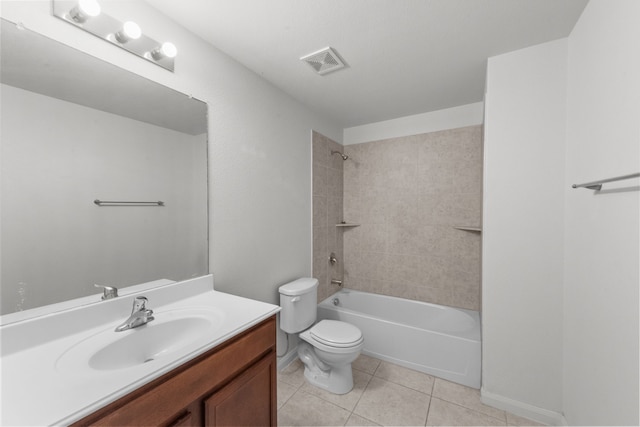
pixel 385 394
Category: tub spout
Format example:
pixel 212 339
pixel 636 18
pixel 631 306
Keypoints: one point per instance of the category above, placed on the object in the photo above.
pixel 336 282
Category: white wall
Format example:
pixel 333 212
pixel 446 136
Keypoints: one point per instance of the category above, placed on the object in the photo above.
pixel 259 147
pixel 561 265
pixel 433 121
pixel 523 230
pixel 602 230
pixel 57 157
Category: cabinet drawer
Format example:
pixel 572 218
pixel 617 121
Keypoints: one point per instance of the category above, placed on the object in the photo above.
pixel 164 400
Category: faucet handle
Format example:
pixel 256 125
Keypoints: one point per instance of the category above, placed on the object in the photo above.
pixel 139 304
pixel 109 291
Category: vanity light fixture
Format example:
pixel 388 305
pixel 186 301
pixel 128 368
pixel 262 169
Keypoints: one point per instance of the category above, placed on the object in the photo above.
pixel 166 50
pixel 130 31
pixel 88 16
pixel 84 10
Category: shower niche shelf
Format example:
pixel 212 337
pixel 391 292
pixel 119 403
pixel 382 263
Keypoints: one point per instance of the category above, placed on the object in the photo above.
pixel 347 224
pixel 468 228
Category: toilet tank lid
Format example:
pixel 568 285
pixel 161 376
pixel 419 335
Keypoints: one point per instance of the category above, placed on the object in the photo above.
pixel 299 287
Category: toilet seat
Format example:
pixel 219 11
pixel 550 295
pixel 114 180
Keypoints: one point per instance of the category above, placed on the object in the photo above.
pixel 334 333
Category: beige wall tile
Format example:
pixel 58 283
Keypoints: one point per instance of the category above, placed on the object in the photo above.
pixel 404 239
pixel 350 240
pixel 320 211
pixel 334 210
pixel 373 207
pixel 404 269
pixel 403 207
pixel 373 266
pixel 319 180
pixel 408 193
pixel 372 237
pixel 320 149
pixel 328 199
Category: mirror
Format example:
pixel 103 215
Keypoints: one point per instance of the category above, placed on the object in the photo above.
pixel 76 129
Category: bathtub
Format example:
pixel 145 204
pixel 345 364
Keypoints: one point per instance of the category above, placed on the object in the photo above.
pixel 434 339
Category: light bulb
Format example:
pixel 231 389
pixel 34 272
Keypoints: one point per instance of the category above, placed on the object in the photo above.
pixel 84 10
pixel 167 50
pixel 130 31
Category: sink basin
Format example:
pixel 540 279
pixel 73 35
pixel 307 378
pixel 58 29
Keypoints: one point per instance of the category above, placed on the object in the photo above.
pixel 170 334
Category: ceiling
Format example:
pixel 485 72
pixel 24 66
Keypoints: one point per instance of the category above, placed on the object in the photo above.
pixel 403 57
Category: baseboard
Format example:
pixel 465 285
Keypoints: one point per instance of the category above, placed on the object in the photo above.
pixel 285 360
pixel 522 409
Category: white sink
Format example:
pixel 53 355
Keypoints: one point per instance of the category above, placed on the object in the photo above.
pixel 171 333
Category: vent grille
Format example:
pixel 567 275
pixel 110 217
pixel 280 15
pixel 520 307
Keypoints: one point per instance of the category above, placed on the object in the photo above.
pixel 324 61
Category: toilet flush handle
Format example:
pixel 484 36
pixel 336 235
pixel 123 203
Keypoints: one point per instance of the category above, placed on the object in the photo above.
pixel 295 299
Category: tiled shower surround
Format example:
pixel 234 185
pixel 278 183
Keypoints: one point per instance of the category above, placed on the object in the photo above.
pixel 327 212
pixel 408 194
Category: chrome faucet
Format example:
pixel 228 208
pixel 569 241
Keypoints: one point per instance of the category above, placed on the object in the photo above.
pixel 140 315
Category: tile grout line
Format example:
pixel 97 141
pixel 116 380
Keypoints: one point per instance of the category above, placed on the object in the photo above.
pixel 299 389
pixel 359 398
pixel 289 398
pixel 433 386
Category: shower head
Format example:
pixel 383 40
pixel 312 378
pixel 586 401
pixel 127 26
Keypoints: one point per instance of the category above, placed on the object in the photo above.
pixel 344 156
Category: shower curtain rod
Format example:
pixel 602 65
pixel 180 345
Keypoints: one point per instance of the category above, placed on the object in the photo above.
pixel 597 185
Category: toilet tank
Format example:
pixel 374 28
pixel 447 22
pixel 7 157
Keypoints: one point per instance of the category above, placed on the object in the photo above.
pixel 299 300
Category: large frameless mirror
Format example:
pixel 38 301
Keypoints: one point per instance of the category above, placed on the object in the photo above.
pixel 77 135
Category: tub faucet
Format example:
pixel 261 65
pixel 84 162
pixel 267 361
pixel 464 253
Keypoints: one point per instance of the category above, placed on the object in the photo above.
pixel 140 315
pixel 336 282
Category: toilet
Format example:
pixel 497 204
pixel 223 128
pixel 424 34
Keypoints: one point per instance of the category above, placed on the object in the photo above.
pixel 327 347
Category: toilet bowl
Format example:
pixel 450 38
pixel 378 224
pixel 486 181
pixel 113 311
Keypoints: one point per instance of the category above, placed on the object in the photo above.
pixel 328 347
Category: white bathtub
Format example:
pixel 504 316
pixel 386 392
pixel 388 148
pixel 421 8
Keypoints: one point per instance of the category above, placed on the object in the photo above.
pixel 435 339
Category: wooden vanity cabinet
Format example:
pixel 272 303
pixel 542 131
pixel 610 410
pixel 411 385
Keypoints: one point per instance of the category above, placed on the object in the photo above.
pixel 233 384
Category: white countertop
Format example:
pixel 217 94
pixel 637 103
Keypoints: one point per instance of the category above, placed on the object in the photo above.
pixel 36 392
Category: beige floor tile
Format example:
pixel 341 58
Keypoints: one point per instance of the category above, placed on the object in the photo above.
pixel 347 401
pixel 357 420
pixel 465 396
pixel 293 374
pixel 304 409
pixel 388 403
pixel 515 420
pixel 442 413
pixel 407 377
pixel 285 391
pixel 366 364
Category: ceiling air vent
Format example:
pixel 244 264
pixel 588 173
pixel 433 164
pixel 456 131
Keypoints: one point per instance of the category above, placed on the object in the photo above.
pixel 324 61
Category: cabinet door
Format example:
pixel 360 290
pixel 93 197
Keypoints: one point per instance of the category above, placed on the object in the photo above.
pixel 248 400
